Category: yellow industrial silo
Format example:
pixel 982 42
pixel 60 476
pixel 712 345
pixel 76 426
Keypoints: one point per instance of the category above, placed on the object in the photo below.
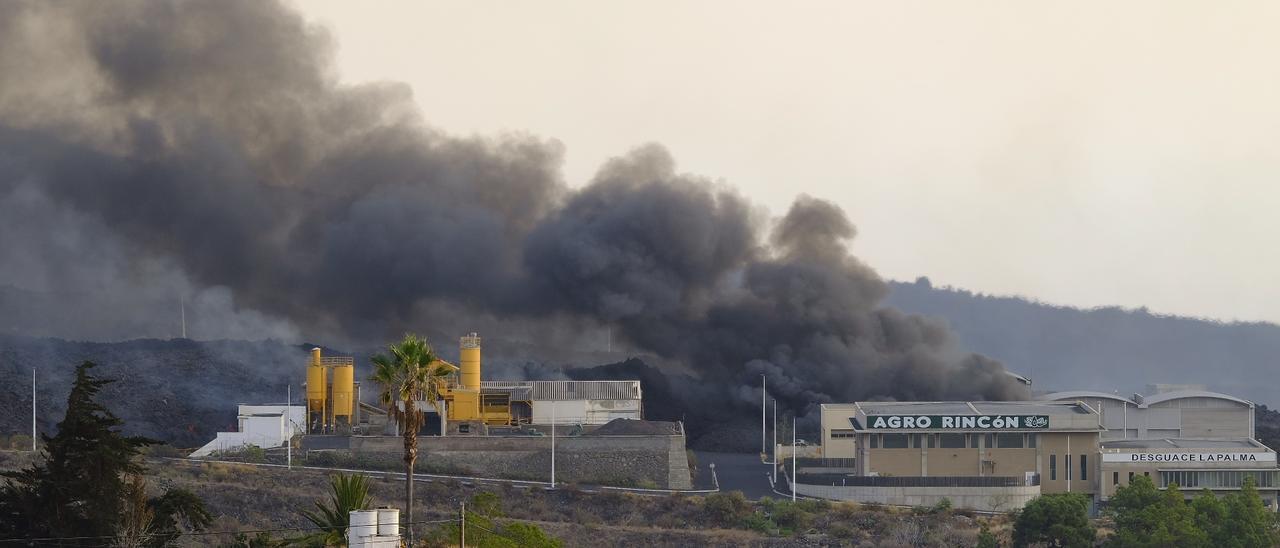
pixel 469 356
pixel 464 399
pixel 317 385
pixel 344 390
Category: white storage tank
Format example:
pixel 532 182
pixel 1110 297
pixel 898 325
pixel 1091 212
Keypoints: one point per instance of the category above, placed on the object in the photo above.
pixel 388 522
pixel 362 525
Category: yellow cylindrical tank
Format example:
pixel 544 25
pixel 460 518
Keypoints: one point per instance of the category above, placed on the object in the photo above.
pixel 317 385
pixel 470 362
pixel 344 390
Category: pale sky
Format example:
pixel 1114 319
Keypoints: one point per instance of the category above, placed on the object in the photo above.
pixel 1082 153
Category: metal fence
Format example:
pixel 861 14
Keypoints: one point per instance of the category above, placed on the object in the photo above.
pixel 572 390
pixel 802 462
pixel 918 481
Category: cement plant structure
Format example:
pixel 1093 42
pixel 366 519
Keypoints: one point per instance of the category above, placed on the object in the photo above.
pixel 594 429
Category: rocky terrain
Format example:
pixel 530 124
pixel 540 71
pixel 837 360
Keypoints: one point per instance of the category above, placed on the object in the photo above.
pixel 244 497
pixel 178 391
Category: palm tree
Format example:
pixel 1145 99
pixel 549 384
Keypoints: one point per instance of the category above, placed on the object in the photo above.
pixel 349 493
pixel 411 374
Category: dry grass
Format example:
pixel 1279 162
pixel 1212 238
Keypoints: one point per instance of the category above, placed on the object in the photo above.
pixel 245 497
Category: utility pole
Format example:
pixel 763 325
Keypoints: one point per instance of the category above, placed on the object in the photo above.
pixel 33 410
pixel 288 420
pixel 553 445
pixel 793 458
pixel 774 449
pixel 764 407
pixel 462 531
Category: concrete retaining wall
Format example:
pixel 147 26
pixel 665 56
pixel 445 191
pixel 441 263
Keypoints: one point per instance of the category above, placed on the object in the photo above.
pixel 638 461
pixel 987 499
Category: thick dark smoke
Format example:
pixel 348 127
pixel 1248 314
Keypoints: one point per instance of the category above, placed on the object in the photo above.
pixel 206 150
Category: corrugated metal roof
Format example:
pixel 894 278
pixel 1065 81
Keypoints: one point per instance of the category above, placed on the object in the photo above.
pixel 967 408
pixel 1181 443
pixel 1151 401
pixel 571 390
pixel 518 393
pixel 1074 395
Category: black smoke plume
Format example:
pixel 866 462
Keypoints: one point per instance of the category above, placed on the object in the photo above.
pixel 207 149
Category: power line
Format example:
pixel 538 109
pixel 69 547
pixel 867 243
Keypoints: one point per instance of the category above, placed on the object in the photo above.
pixel 492 532
pixel 208 533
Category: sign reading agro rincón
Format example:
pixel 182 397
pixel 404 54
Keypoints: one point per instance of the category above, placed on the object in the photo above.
pixel 958 422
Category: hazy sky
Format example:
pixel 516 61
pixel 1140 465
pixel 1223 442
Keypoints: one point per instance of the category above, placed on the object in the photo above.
pixel 1083 153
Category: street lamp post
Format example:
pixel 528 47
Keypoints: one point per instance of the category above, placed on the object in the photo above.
pixel 793 458
pixel 764 407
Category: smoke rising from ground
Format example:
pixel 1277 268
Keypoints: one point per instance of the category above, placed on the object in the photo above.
pixel 205 148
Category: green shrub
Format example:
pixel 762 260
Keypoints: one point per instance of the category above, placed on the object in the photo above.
pixel 987 539
pixel 942 507
pixel 760 523
pixel 841 531
pixel 1059 519
pixel 791 516
pixel 486 504
pixel 253 453
pixel 726 508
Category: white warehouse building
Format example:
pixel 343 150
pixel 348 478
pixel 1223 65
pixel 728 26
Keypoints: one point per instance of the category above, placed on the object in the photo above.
pixel 572 402
pixel 263 426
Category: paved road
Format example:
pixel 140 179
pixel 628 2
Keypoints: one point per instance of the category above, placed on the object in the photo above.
pixel 736 472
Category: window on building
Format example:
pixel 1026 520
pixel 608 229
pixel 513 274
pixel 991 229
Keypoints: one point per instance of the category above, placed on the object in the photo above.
pixel 1053 467
pixel 1115 478
pixel 951 441
pixel 1009 441
pixel 837 434
pixel 1084 467
pixel 1066 463
pixel 916 441
pixel 873 441
pixel 1031 440
pixel 893 441
pixel 1130 477
pixel 1147 474
pixel 975 440
pixel 930 440
pixel 1218 479
pixel 991 441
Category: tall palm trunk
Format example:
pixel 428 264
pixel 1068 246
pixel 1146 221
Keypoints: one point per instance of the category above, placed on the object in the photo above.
pixel 410 456
pixel 411 376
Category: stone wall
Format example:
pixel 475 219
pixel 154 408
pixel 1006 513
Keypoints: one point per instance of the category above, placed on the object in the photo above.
pixel 630 461
pixel 986 499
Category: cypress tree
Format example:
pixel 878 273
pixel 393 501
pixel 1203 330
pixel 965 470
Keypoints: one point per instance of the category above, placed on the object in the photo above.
pixel 80 486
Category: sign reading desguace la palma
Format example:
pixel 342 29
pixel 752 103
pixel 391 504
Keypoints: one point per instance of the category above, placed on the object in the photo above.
pixel 1188 456
pixel 958 422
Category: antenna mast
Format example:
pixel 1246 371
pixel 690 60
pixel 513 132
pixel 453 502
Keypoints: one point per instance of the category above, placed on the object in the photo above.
pixel 33 409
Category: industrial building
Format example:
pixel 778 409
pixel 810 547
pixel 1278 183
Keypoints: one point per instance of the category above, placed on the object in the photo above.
pixel 469 405
pixel 999 455
pixel 1174 414
pixel 258 425
pixel 476 427
pixel 333 394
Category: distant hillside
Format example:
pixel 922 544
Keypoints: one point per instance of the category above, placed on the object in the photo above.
pixel 179 391
pixel 1109 349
